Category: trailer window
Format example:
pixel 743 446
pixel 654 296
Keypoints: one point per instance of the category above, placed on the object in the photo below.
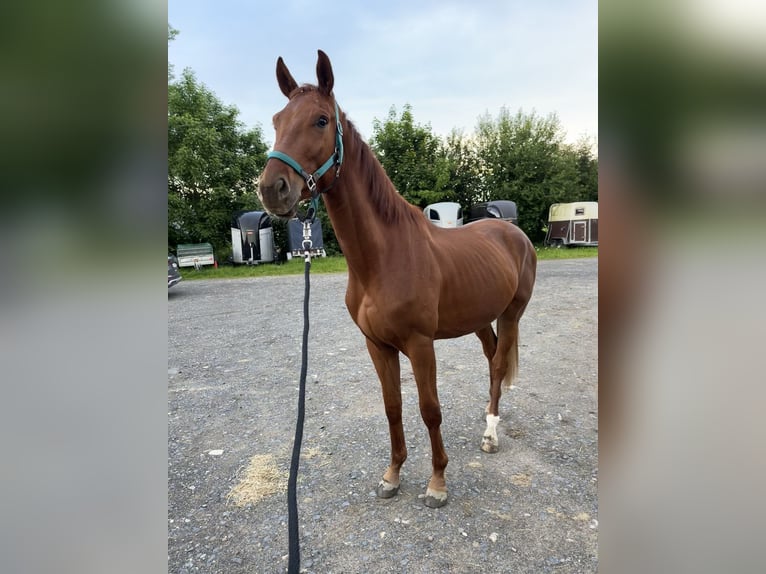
pixel 579 211
pixel 433 214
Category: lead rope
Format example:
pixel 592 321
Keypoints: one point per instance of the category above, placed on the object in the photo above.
pixel 294 563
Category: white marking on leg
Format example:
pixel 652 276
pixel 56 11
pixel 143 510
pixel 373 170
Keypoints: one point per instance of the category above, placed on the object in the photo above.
pixel 489 441
pixel 387 486
pixel 437 494
pixel 491 432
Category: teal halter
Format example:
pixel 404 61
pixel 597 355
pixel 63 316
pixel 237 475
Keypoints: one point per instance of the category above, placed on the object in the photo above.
pixel 335 159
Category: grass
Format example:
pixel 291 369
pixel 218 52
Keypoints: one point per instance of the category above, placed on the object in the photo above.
pixel 337 264
pixel 544 253
pixel 293 267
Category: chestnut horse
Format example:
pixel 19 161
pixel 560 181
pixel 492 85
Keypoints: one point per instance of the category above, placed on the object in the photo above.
pixel 409 282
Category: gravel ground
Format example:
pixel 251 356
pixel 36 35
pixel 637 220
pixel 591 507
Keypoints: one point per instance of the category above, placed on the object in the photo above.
pixel 233 369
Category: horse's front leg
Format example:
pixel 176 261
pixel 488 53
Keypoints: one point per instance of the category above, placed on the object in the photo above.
pixel 386 361
pixel 423 359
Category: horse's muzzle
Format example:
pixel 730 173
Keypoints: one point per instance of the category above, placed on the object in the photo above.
pixel 278 197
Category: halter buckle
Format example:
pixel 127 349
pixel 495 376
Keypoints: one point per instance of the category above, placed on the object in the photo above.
pixel 311 183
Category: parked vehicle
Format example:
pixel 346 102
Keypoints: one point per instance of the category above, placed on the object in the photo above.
pixel 252 238
pixel 444 214
pixel 497 209
pixel 174 276
pixel 195 255
pixel 573 224
pixel 295 239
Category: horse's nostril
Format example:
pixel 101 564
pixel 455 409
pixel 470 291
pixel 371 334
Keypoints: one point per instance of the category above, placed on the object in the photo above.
pixel 280 186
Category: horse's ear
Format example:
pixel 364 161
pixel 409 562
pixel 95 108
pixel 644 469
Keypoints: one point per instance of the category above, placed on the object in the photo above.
pixel 285 79
pixel 325 79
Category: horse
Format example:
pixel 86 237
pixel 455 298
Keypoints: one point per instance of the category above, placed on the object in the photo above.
pixel 409 282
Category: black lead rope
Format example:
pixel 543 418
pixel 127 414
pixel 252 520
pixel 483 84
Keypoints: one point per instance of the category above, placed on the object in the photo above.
pixel 294 563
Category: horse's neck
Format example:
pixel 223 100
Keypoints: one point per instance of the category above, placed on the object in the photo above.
pixel 367 213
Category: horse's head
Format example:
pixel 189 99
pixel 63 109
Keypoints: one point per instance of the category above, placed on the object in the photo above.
pixel 308 132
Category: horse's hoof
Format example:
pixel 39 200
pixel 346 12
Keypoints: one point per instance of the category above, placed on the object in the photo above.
pixel 435 498
pixel 386 489
pixel 488 446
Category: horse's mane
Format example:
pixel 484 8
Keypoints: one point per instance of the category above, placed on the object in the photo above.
pixel 388 203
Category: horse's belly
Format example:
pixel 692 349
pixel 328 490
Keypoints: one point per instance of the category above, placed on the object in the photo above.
pixel 453 325
pixel 471 302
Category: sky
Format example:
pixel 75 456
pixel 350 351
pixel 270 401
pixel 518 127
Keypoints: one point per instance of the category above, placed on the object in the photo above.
pixel 451 61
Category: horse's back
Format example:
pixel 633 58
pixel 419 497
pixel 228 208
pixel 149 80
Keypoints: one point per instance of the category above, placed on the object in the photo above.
pixel 483 267
pixel 487 242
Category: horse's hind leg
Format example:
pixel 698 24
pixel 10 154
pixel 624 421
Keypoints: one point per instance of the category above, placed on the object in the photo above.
pixel 489 346
pixel 489 343
pixel 505 362
pixel 386 361
pixel 503 367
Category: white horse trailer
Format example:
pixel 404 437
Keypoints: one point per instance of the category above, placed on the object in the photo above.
pixel 573 224
pixel 444 214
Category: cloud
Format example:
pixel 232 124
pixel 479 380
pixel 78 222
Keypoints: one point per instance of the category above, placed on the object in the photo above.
pixel 452 61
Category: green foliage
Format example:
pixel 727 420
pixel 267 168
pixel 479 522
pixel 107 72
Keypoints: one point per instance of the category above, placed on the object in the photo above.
pixel 520 157
pixel 464 167
pixel 172 33
pixel 524 159
pixel 331 246
pixel 213 163
pixel 412 157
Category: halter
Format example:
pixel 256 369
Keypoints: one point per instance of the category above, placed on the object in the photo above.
pixel 335 159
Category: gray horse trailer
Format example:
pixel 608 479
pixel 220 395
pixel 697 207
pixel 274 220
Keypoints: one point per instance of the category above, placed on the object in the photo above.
pixel 252 238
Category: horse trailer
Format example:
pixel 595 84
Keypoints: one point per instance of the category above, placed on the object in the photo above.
pixel 499 209
pixel 195 255
pixel 252 238
pixel 573 224
pixel 295 239
pixel 444 214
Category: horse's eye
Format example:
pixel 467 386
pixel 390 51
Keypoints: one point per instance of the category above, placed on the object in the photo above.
pixel 322 121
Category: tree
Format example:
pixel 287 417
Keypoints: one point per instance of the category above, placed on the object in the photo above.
pixel 213 163
pixel 412 157
pixel 525 160
pixel 465 182
pixel 172 33
pixel 587 170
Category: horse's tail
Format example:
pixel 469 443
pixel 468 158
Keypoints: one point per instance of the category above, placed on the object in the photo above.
pixel 527 273
pixel 513 355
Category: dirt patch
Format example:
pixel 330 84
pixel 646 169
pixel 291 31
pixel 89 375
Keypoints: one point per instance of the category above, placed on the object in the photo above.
pixel 260 479
pixel 523 480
